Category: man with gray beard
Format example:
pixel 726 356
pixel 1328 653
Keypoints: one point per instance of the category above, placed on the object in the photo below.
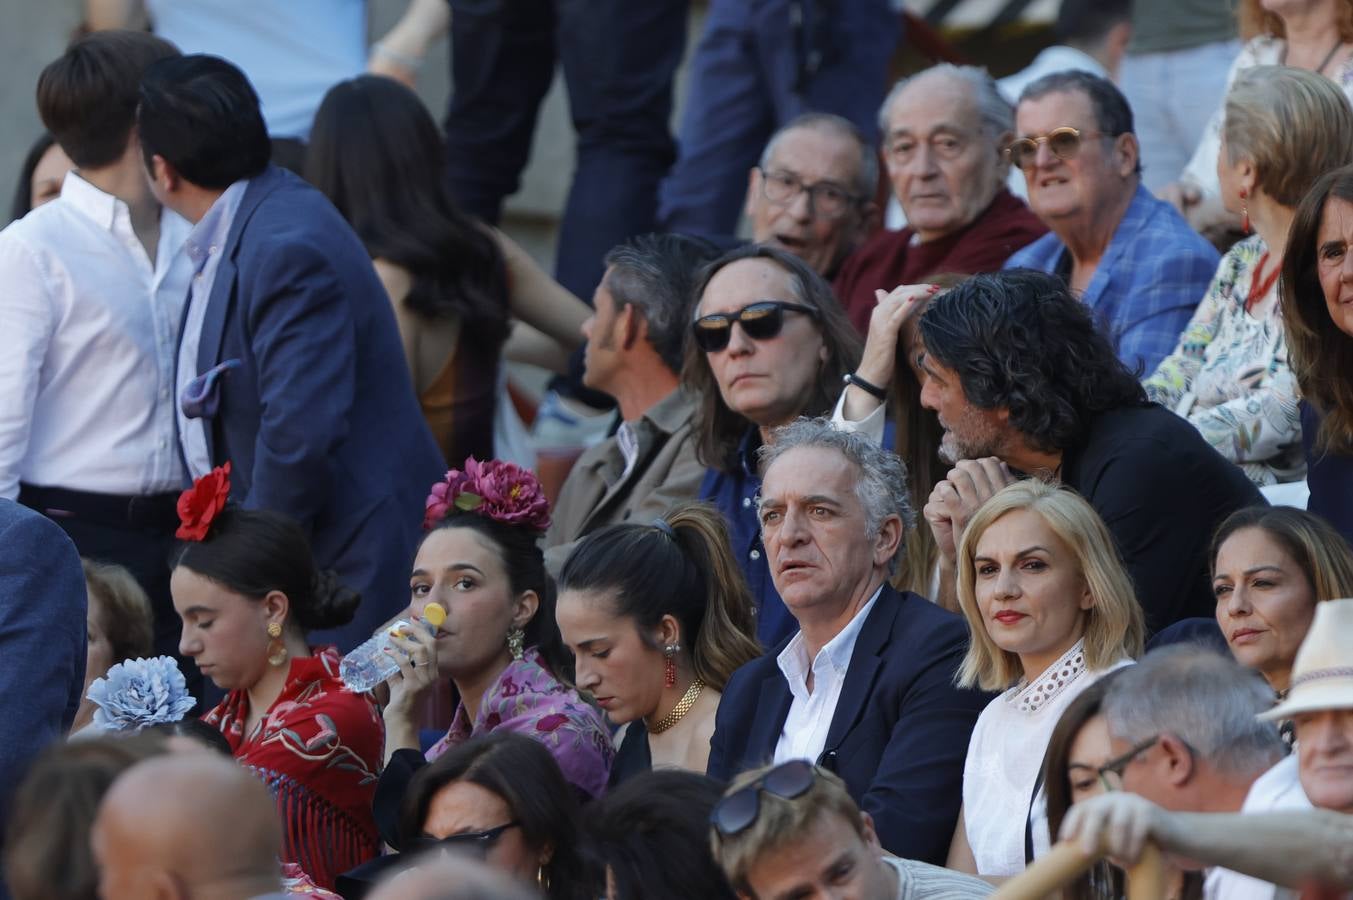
pixel 1025 384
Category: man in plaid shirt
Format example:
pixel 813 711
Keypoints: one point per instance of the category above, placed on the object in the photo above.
pixel 1130 257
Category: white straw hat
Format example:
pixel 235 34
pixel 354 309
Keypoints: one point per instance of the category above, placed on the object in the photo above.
pixel 1322 675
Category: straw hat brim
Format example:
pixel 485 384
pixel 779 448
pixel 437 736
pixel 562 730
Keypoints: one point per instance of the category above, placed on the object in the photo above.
pixel 1314 696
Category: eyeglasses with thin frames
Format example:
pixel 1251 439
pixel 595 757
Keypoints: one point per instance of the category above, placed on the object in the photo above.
pixel 829 200
pixel 1064 143
pixel 1119 764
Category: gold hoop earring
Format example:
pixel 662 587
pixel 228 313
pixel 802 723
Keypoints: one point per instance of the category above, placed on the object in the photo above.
pixel 277 651
pixel 516 642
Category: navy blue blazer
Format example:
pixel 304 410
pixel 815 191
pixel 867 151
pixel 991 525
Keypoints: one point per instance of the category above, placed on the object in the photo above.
pixel 900 732
pixel 320 420
pixel 42 642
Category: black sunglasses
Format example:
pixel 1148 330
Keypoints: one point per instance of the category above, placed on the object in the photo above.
pixel 473 842
pixel 760 321
pixel 737 811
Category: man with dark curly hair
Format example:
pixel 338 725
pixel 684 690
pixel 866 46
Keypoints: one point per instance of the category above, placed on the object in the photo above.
pixel 1025 384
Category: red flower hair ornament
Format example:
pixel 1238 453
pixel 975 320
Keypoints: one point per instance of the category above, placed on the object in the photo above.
pixel 199 506
pixel 502 491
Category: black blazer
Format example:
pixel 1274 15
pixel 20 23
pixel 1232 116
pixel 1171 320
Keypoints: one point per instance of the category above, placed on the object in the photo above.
pixel 900 732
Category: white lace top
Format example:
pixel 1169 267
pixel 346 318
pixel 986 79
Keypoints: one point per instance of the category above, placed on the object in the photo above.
pixel 1004 756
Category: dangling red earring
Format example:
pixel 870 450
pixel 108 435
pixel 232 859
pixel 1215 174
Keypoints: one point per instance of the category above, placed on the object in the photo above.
pixel 1244 210
pixel 669 665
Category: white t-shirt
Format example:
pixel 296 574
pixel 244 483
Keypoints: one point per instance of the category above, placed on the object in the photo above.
pixel 1005 756
pixel 1277 789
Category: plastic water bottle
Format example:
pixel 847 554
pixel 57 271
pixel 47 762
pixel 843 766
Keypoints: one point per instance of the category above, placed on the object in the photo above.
pixel 369 664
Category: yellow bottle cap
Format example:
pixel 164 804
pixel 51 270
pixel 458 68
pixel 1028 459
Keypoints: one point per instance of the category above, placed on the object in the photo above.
pixel 434 615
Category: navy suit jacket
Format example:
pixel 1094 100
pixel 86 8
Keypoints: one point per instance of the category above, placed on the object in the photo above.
pixel 320 421
pixel 42 642
pixel 900 732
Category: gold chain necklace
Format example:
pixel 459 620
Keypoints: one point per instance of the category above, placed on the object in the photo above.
pixel 679 711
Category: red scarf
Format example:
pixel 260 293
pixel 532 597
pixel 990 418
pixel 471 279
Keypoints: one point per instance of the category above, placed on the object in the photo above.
pixel 319 751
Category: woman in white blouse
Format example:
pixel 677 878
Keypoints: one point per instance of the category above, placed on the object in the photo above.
pixel 1051 610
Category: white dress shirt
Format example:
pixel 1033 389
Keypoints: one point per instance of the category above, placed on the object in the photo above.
pixel 1277 789
pixel 203 247
pixel 88 329
pixel 810 714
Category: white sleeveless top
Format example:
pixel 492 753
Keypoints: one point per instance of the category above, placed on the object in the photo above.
pixel 1004 758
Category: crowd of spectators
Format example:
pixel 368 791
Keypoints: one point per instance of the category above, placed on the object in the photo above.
pixel 910 557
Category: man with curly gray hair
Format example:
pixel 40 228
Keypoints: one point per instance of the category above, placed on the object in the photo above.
pixel 865 688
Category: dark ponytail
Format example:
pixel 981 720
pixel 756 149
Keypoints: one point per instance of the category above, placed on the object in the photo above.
pixel 524 563
pixel 253 552
pixel 682 567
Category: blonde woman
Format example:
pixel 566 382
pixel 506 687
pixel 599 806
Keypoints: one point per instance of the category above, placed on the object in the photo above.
pixel 1050 610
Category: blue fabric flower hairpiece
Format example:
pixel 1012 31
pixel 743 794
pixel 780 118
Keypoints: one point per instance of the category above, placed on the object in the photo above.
pixel 140 692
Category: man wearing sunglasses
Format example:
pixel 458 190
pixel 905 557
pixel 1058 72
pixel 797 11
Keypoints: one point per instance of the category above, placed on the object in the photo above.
pixel 943 134
pixel 1130 257
pixel 865 689
pixel 792 831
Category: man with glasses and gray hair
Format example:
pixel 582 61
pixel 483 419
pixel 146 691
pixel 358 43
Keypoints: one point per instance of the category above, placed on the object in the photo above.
pixel 813 191
pixel 1129 257
pixel 793 830
pixel 1186 735
pixel 944 131
pixel 865 688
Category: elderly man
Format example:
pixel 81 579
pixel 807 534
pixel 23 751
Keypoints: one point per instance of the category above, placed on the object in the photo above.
pixel 189 825
pixel 1270 841
pixel 943 135
pixel 865 688
pixel 1131 258
pixel 635 340
pixel 1024 382
pixel 813 191
pixel 793 831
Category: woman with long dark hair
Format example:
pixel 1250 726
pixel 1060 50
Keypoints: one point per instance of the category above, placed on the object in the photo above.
pixel 377 154
pixel 481 562
pixel 247 589
pixel 502 797
pixel 1317 308
pixel 658 618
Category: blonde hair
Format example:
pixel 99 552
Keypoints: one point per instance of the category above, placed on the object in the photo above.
pixel 1115 626
pixel 780 821
pixel 1272 111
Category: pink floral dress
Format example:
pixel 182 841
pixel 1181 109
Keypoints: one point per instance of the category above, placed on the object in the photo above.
pixel 527 699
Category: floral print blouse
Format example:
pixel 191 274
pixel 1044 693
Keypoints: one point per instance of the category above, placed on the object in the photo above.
pixel 1229 373
pixel 528 700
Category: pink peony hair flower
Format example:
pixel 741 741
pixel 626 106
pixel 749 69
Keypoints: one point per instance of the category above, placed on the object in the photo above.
pixel 502 491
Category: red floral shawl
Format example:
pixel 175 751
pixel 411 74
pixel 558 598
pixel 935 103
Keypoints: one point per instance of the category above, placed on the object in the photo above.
pixel 319 751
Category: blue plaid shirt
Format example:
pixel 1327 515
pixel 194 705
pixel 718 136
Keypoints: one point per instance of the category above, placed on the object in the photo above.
pixel 1152 275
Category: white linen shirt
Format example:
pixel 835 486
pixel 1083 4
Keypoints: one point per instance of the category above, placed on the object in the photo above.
pixel 203 247
pixel 1277 789
pixel 88 330
pixel 810 714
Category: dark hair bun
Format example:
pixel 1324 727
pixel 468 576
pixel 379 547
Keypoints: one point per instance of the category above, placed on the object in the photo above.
pixel 332 603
